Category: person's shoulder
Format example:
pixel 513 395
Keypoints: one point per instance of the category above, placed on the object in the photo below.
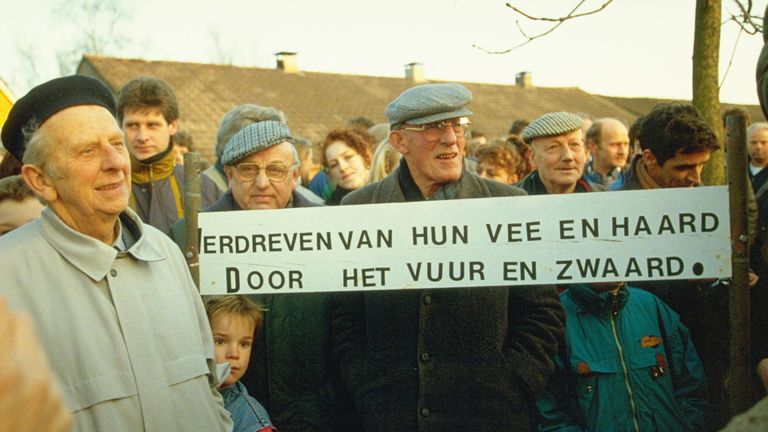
pixel 26 237
pixel 364 195
pixel 498 189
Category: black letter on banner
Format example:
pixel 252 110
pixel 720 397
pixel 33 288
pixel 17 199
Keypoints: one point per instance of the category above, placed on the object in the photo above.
pixel 233 274
pixel 566 265
pixel 712 218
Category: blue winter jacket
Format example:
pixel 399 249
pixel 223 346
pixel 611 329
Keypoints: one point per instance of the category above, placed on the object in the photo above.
pixel 628 365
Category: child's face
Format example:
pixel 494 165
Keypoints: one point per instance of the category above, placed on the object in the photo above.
pixel 233 339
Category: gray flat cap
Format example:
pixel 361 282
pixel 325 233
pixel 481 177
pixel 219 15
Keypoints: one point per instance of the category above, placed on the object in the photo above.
pixel 551 124
pixel 429 103
pixel 255 138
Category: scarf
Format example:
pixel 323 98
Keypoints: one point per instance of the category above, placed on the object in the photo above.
pixel 644 178
pixel 154 168
pixel 157 167
pixel 411 191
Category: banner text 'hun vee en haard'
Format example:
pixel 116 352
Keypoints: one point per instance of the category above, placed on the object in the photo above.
pixel 630 235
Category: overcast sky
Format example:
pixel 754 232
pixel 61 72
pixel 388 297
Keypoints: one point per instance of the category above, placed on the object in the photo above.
pixel 632 48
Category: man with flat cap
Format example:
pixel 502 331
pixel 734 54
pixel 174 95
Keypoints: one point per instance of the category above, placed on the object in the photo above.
pixel 557 152
pixel 111 297
pixel 446 359
pixel 289 371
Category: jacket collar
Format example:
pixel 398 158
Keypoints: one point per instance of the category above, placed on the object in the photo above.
pixel 534 186
pixel 155 168
pixel 598 303
pixel 411 191
pixel 89 255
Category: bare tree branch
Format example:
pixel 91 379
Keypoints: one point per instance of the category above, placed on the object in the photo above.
pixel 570 15
pixel 730 60
pixel 530 38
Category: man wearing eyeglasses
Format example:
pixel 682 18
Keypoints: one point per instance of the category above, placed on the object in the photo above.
pixel 445 359
pixel 290 362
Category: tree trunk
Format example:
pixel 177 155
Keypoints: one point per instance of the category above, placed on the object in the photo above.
pixel 706 92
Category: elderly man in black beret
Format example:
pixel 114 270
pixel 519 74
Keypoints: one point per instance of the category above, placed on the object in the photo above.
pixel 112 299
pixel 450 359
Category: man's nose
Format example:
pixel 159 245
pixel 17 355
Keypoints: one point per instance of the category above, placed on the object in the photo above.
pixel 695 175
pixel 142 134
pixel 448 135
pixel 261 180
pixel 113 158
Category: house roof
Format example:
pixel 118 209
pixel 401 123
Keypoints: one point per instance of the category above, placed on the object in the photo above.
pixel 315 102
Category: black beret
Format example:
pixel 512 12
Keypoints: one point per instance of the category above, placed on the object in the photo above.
pixel 49 98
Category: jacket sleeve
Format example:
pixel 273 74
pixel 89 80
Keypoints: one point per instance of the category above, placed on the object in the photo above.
pixel 687 371
pixel 536 325
pixel 555 406
pixel 349 341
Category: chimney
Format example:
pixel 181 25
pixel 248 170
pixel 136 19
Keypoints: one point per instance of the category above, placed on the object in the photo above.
pixel 524 80
pixel 415 72
pixel 286 61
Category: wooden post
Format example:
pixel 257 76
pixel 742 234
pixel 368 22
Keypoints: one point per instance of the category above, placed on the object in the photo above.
pixel 191 208
pixel 740 372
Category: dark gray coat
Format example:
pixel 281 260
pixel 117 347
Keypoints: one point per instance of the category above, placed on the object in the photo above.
pixel 446 359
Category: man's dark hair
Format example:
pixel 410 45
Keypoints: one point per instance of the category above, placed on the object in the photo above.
pixel 145 93
pixel 735 111
pixel 675 127
pixel 518 126
pixel 184 138
pixel 360 122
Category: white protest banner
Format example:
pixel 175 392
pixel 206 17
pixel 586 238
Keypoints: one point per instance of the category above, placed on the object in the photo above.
pixel 611 236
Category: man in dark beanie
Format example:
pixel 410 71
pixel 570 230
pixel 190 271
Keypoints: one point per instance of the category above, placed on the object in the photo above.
pixel 112 299
pixel 444 359
pixel 149 114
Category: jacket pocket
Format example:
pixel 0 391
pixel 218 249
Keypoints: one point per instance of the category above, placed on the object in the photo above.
pixel 185 368
pixel 85 394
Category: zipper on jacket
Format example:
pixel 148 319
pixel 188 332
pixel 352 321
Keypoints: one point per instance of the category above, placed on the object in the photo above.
pixel 614 314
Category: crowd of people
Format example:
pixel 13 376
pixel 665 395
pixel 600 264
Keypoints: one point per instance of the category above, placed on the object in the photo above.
pixel 92 224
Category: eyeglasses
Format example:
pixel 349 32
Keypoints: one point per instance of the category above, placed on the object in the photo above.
pixel 275 172
pixel 433 131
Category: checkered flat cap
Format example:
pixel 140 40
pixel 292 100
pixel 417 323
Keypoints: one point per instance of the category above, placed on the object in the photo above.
pixel 429 103
pixel 551 124
pixel 255 138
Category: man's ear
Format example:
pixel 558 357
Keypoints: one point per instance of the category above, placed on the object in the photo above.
pixel 649 159
pixel 396 139
pixel 39 182
pixel 173 127
pixel 229 171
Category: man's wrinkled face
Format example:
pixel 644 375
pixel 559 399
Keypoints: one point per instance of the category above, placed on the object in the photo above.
pixel 432 162
pixel 612 150
pixel 147 133
pixel 757 147
pixel 264 190
pixel 682 170
pixel 90 176
pixel 560 160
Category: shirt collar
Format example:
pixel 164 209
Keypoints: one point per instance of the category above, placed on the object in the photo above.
pixel 91 256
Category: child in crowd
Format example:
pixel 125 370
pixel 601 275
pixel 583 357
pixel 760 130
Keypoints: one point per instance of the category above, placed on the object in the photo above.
pixel 234 321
